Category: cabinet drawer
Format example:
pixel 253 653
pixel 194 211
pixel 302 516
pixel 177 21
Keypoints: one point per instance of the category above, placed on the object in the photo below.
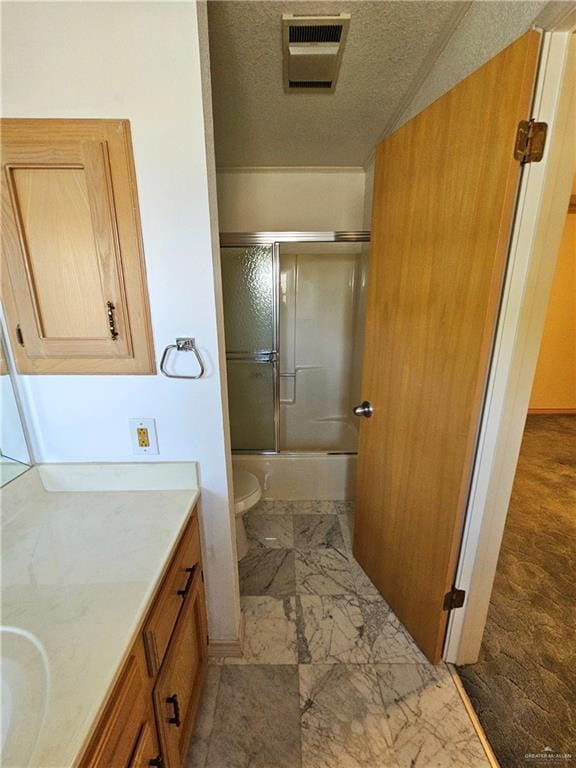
pixel 123 721
pixel 168 604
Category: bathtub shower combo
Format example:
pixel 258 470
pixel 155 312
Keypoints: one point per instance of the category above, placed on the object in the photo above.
pixel 294 322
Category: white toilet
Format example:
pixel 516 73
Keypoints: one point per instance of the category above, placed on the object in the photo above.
pixel 247 493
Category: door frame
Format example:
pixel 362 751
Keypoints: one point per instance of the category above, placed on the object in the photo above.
pixel 540 216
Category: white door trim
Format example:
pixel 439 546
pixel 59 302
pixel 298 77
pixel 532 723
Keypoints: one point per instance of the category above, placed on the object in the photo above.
pixel 540 216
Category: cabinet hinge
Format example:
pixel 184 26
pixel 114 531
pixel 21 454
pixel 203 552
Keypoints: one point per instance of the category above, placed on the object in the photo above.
pixel 19 336
pixel 530 141
pixel 454 599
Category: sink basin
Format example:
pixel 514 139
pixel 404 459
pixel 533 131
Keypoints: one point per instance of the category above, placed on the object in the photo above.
pixel 24 675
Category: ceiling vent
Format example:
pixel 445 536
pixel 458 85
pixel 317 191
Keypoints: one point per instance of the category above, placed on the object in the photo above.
pixel 313 48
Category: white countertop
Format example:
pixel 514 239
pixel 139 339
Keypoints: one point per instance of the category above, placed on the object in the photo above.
pixel 79 568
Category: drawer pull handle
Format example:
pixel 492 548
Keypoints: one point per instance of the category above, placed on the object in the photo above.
pixel 175 719
pixel 151 651
pixel 156 762
pixel 184 592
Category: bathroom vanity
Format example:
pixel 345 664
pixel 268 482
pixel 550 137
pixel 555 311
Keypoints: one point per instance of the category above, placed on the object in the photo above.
pixel 150 714
pixel 105 639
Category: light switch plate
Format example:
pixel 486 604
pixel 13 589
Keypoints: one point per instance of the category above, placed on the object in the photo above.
pixel 138 429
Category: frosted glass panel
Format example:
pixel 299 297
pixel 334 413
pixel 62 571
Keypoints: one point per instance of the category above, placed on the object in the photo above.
pixel 322 289
pixel 248 288
pixel 251 404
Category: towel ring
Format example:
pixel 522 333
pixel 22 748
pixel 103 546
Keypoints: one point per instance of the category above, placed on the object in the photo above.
pixel 186 344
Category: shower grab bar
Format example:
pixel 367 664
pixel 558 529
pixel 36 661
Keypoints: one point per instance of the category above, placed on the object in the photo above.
pixel 296 371
pixel 253 357
pixel 185 344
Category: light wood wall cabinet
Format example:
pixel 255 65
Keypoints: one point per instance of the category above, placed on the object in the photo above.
pixel 149 718
pixel 74 280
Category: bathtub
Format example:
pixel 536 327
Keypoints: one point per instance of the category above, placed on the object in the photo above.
pixel 302 475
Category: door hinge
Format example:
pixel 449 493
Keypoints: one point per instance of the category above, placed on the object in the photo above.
pixel 454 599
pixel 530 141
pixel 19 335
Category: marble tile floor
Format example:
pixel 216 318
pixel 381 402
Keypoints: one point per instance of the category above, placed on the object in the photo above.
pixel 329 678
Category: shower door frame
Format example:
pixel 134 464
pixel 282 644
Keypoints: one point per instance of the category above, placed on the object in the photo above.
pixel 275 239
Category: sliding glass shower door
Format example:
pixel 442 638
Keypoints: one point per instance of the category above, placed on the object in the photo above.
pixel 249 284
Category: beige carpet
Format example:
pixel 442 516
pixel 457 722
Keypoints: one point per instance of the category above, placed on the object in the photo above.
pixel 524 684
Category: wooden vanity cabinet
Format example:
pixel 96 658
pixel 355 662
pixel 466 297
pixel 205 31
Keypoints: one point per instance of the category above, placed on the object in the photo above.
pixel 179 684
pixel 126 736
pixel 162 617
pixel 150 715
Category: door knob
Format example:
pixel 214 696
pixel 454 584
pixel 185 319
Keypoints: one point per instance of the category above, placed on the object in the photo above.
pixel 364 409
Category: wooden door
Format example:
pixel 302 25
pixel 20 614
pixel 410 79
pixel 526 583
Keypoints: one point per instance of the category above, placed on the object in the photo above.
pixel 74 278
pixel 179 686
pixel 444 195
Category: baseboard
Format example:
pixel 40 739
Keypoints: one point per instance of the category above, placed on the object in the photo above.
pixel 551 411
pixel 220 648
pixel 476 724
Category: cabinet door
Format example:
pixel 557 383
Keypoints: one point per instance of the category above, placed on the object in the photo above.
pixel 146 751
pixel 179 685
pixel 126 734
pixel 74 283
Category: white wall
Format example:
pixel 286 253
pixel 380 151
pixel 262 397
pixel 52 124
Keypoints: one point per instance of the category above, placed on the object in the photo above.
pixel 368 190
pixel 299 199
pixel 141 61
pixel 485 30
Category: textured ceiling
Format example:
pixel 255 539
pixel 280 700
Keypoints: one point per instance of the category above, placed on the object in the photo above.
pixel 389 46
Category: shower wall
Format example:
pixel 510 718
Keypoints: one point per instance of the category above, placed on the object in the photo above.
pixel 321 328
pixel 290 199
